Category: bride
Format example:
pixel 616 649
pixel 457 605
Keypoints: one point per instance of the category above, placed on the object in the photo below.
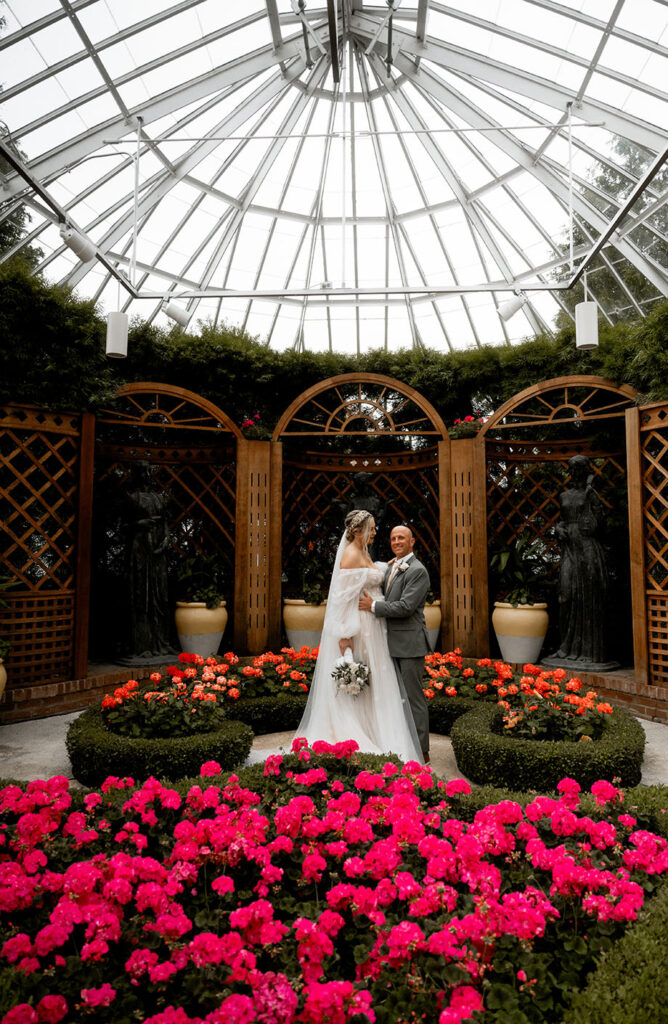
pixel 379 719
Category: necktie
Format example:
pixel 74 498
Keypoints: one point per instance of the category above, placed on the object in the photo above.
pixel 393 573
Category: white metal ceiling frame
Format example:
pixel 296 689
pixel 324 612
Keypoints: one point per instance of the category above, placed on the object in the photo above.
pixel 74 6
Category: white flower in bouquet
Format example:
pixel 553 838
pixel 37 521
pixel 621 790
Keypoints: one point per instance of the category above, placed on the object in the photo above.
pixel 350 676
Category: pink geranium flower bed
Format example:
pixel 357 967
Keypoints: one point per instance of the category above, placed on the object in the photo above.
pixel 321 895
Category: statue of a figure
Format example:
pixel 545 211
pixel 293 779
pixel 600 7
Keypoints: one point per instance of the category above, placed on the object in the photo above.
pixel 148 541
pixel 583 576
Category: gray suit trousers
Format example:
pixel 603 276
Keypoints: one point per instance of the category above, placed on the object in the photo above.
pixel 410 672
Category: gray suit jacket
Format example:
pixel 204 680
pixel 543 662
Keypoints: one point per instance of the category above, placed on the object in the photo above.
pixel 403 607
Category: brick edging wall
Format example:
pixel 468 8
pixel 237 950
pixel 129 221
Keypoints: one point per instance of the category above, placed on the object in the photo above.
pixel 47 699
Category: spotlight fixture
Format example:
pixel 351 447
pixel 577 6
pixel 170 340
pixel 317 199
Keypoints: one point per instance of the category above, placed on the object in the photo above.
pixel 78 243
pixel 586 326
pixel 177 313
pixel 117 335
pixel 512 306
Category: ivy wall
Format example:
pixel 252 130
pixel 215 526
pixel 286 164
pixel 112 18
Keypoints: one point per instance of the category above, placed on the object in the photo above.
pixel 52 354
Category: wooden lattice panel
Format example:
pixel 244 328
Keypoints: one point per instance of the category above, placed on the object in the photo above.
pixel 191 447
pixel 319 494
pixel 39 481
pixel 657 621
pixel 523 486
pixel 654 448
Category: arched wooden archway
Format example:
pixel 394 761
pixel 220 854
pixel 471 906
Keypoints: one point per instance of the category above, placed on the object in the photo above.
pixel 520 457
pixel 193 448
pixel 363 427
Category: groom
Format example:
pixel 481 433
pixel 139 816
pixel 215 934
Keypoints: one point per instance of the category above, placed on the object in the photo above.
pixel 405 588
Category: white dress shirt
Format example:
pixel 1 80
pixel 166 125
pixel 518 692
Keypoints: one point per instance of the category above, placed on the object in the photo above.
pixel 393 572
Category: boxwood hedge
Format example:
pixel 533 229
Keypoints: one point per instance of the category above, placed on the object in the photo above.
pixel 270 714
pixel 631 983
pixel 95 752
pixel 487 757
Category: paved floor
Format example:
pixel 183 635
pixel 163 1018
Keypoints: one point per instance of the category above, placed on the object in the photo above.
pixel 36 750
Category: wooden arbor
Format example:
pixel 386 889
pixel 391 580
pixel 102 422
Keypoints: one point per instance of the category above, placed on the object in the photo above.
pixel 192 446
pixel 368 438
pixel 522 453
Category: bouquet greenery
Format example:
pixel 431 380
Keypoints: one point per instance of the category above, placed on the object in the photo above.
pixel 350 676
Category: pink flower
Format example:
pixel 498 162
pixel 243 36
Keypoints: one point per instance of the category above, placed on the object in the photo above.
pixel 236 1009
pixel 455 786
pixel 210 768
pixel 51 1009
pixel 102 996
pixel 605 793
pixel 21 1014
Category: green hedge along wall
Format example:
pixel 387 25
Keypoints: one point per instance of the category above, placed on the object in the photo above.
pixel 52 354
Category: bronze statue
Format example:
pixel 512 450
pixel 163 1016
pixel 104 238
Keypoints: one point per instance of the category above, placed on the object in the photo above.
pixel 583 576
pixel 148 542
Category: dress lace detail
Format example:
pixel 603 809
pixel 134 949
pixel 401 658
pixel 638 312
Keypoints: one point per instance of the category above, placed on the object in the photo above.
pixel 379 719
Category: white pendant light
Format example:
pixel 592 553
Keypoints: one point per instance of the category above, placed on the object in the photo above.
pixel 586 326
pixel 78 243
pixel 177 313
pixel 512 306
pixel 117 335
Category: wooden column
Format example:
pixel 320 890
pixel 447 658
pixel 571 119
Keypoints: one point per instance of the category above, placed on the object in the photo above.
pixel 636 543
pixel 84 535
pixel 253 519
pixel 276 547
pixel 480 564
pixel 469 547
pixel 446 539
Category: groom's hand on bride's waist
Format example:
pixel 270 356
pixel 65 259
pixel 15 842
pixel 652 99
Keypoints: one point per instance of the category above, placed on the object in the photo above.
pixel 365 601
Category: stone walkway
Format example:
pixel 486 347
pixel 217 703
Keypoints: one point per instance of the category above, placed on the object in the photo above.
pixel 36 750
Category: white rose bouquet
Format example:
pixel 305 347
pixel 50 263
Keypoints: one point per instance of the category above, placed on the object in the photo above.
pixel 350 676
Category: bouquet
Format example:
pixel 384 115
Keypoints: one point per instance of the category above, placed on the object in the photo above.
pixel 350 676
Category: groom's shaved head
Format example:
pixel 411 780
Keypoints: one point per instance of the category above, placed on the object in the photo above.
pixel 402 541
pixel 402 526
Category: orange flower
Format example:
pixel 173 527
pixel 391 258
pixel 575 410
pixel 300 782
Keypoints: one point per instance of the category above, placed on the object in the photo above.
pixel 468 672
pixel 429 693
pixel 451 691
pixel 573 685
pixel 605 709
pixel 481 688
pixel 233 693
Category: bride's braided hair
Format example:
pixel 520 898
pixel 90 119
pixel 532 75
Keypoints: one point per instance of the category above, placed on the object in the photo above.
pixel 359 520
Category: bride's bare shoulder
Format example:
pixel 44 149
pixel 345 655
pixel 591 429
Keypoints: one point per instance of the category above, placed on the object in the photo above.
pixel 352 558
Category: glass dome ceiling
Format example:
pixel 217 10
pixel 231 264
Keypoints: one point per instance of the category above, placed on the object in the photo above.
pixel 335 175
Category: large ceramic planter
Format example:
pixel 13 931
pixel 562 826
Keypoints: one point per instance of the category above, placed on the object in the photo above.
pixel 520 630
pixel 200 629
pixel 432 618
pixel 3 677
pixel 303 622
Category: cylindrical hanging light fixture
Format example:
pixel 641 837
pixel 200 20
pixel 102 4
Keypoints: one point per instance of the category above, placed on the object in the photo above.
pixel 117 335
pixel 78 243
pixel 177 313
pixel 512 306
pixel 586 326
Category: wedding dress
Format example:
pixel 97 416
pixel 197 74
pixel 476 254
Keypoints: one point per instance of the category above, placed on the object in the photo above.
pixel 379 719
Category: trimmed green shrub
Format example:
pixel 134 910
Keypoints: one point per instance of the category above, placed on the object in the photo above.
pixel 631 983
pixel 270 714
pixel 95 752
pixel 488 757
pixel 444 712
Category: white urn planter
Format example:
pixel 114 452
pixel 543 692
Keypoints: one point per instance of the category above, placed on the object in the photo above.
pixel 303 622
pixel 520 630
pixel 200 629
pixel 433 618
pixel 3 677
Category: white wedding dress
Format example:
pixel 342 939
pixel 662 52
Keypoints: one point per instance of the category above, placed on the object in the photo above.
pixel 379 719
